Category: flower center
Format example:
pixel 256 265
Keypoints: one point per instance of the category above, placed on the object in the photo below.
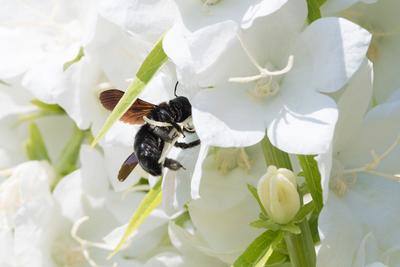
pixel 340 182
pixel 228 159
pixel 73 251
pixel 267 82
pixel 67 253
pixel 341 178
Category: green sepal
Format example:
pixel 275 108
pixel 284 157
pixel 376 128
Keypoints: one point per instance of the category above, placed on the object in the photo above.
pixel 254 192
pixel 303 212
pixel 35 146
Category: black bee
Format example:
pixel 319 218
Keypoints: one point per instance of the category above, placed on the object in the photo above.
pixel 163 124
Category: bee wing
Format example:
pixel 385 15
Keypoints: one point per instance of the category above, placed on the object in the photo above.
pixel 135 113
pixel 127 167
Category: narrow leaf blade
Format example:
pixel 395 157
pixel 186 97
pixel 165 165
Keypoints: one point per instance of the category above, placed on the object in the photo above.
pixel 146 206
pixel 149 67
pixel 257 250
pixel 313 179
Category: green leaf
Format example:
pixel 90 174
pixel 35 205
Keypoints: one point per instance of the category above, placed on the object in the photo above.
pixel 149 67
pixel 253 191
pixel 313 179
pixel 78 57
pixel 304 211
pixel 313 222
pixel 35 147
pixel 268 224
pixel 313 9
pixel 259 251
pixel 274 156
pixel 276 259
pixel 151 200
pixel 152 62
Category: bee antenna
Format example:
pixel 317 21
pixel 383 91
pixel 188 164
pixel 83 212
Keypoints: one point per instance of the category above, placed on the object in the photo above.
pixel 176 86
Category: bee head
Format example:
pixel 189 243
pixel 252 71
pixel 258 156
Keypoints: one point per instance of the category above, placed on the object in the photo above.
pixel 182 108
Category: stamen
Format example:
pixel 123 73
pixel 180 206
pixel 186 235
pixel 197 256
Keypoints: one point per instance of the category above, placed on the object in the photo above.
pixel 370 167
pixel 85 244
pixel 227 159
pixel 265 84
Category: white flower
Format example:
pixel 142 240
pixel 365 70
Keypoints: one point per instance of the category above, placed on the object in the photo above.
pixel 148 20
pixel 359 219
pixel 42 32
pixel 261 73
pixel 197 14
pixel 381 20
pixel 333 6
pixel 222 215
pixel 277 191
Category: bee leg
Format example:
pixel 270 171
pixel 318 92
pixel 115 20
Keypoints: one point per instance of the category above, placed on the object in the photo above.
pixel 172 164
pixel 187 145
pixel 178 128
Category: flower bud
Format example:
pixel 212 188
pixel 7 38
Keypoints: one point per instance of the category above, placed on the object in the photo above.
pixel 277 191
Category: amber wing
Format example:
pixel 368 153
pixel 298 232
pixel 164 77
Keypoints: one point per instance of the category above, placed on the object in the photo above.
pixel 135 113
pixel 127 167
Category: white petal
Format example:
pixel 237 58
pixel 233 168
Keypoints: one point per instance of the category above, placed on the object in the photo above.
pixel 239 122
pixel 187 50
pixel 197 174
pixel 324 162
pixel 327 54
pixel 69 196
pixel 271 38
pixel 304 127
pixel 353 105
pixel 195 14
pixel 149 19
pixel 379 131
pixel 340 233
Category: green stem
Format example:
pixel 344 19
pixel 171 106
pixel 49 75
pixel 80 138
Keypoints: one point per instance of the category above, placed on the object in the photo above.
pixel 274 156
pixel 300 246
pixel 313 10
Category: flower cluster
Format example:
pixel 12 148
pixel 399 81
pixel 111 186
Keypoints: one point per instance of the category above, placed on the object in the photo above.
pixel 287 154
